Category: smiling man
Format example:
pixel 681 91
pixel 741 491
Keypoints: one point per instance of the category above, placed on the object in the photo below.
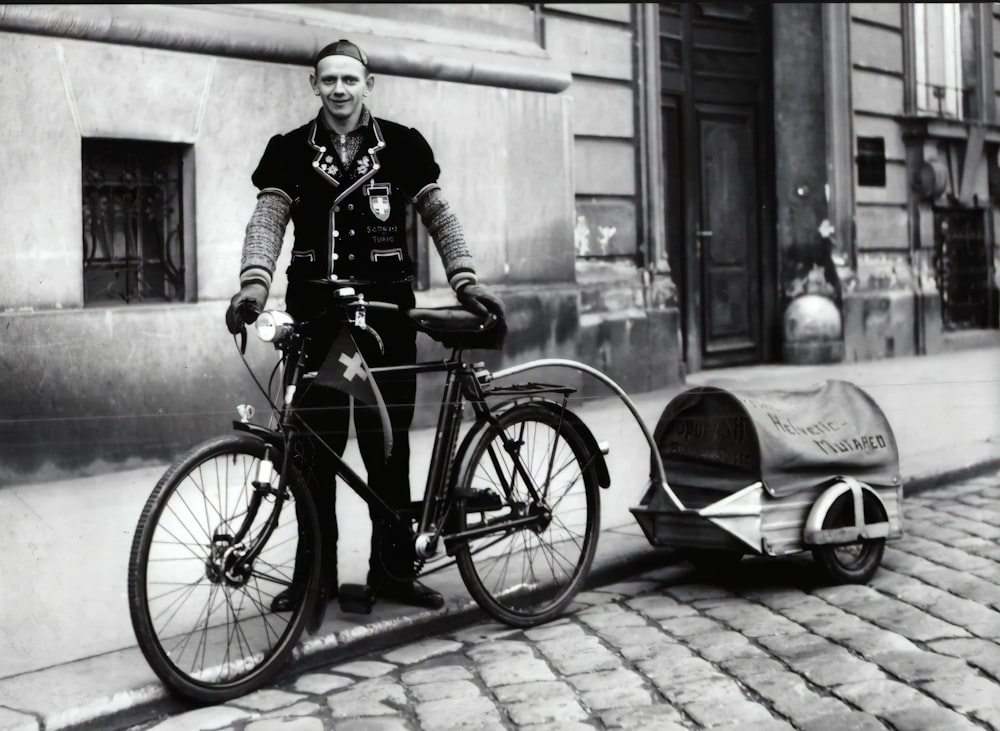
pixel 344 180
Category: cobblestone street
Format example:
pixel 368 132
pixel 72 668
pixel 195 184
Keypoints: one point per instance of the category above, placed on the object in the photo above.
pixel 765 649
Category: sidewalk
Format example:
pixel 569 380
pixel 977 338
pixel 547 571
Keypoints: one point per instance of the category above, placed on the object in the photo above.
pixel 67 653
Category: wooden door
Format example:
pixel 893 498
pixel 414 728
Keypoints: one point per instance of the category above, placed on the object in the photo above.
pixel 727 241
pixel 715 91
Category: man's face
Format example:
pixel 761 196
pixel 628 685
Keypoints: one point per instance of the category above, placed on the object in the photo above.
pixel 341 83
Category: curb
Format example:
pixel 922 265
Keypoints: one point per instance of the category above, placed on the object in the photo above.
pixel 922 483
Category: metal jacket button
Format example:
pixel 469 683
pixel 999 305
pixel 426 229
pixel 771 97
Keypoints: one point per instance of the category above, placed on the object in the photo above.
pixel 350 257
pixel 336 209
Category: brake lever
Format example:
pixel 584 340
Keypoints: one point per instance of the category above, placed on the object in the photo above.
pixel 360 321
pixel 374 333
pixel 247 307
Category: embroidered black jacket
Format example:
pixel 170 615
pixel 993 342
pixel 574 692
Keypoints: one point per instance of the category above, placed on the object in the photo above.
pixel 350 221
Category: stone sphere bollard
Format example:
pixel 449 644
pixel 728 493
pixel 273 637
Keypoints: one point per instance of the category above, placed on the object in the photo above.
pixel 812 331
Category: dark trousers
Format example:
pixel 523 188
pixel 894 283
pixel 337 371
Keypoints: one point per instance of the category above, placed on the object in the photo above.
pixel 327 413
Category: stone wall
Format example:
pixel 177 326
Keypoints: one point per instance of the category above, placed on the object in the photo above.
pixel 87 389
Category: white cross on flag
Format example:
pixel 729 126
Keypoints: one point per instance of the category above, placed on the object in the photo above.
pixel 345 370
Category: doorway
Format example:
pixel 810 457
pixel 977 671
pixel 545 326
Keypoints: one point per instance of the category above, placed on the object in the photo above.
pixel 716 105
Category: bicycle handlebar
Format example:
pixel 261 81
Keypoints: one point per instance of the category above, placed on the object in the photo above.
pixel 455 326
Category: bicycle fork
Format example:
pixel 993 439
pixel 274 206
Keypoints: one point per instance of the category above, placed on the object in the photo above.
pixel 230 558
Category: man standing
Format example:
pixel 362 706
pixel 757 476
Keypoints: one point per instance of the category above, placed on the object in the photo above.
pixel 344 180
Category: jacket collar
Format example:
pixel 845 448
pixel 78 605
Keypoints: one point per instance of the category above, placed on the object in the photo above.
pixel 327 164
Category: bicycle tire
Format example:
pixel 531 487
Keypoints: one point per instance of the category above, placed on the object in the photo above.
pixel 535 591
pixel 211 638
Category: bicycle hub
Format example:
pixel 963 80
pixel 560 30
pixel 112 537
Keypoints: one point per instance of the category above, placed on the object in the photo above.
pixel 225 562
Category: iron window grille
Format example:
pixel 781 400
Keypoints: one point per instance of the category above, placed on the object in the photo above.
pixel 964 269
pixel 133 222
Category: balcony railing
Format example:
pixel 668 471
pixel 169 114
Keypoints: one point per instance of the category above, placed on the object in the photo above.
pixel 943 101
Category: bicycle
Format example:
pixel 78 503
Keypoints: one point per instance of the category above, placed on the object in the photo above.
pixel 223 528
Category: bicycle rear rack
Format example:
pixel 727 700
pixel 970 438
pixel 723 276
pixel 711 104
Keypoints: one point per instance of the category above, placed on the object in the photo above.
pixel 529 389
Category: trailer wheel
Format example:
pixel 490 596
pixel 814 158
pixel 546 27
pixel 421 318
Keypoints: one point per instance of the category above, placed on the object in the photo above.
pixel 852 563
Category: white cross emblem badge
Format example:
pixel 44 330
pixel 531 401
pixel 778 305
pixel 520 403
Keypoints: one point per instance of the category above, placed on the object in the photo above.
pixel 353 367
pixel 378 200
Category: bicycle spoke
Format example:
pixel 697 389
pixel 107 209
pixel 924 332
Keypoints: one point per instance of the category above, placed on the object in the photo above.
pixel 199 629
pixel 174 605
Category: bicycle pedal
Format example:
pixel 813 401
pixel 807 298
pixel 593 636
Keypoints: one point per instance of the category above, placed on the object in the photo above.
pixel 356 598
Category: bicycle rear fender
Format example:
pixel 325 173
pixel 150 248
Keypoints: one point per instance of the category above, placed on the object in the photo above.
pixel 600 464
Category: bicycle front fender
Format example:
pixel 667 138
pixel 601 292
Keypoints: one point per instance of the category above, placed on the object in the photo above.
pixel 270 437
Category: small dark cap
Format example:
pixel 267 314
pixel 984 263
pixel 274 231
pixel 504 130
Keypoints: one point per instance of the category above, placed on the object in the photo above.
pixel 342 47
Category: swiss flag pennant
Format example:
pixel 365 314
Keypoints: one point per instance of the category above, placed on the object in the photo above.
pixel 345 370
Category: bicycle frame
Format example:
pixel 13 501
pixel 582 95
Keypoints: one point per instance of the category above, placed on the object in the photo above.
pixel 518 522
pixel 462 385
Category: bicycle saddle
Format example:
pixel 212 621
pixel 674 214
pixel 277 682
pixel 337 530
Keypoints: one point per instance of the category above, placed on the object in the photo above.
pixel 456 327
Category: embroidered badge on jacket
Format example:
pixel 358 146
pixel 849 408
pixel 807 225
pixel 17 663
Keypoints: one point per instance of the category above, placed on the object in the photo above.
pixel 327 165
pixel 363 165
pixel 378 200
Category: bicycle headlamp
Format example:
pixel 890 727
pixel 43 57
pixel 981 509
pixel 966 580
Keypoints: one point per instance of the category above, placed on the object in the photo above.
pixel 273 325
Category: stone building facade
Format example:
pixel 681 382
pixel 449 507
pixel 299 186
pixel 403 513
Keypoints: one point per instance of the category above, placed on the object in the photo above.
pixel 650 187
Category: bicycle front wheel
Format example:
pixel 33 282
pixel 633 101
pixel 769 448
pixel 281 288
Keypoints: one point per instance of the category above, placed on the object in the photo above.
pixel 540 467
pixel 201 613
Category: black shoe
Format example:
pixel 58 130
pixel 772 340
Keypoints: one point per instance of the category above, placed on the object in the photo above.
pixel 285 601
pixel 413 593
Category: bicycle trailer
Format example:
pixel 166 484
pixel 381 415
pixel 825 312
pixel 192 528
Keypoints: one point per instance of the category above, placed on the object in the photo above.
pixel 775 472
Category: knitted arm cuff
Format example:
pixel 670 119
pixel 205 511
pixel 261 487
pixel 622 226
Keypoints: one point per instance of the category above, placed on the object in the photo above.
pixel 264 236
pixel 449 238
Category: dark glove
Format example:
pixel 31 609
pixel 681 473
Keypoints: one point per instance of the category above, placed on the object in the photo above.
pixel 245 306
pixel 478 299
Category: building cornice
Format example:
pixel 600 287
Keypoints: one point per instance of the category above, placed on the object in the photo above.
pixel 280 35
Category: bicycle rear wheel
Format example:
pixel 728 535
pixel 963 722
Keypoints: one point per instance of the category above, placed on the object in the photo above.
pixel 205 626
pixel 523 576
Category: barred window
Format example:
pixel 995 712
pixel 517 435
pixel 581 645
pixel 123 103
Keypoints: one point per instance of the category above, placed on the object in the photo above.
pixel 134 223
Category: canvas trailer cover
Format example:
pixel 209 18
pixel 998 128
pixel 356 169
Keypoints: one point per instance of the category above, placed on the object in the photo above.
pixel 779 448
